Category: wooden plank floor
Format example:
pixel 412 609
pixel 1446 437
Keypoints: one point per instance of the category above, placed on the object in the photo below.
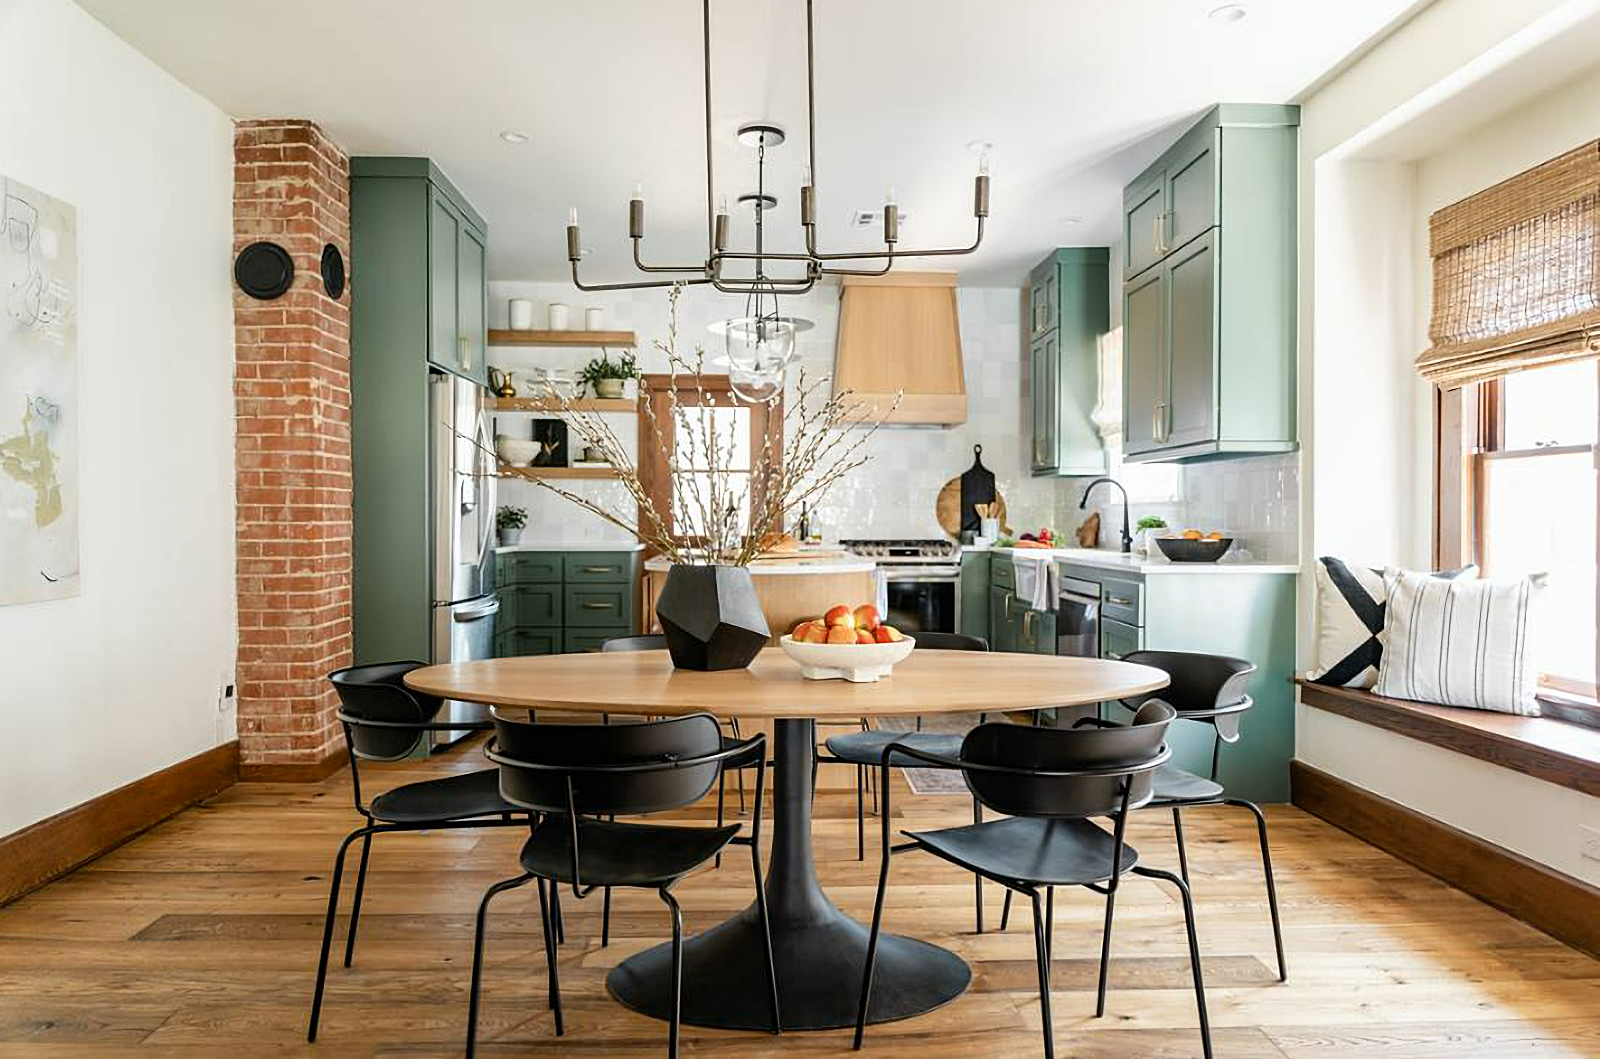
pixel 198 939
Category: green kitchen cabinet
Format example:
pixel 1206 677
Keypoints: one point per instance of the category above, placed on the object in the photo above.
pixel 974 589
pixel 563 602
pixel 1002 626
pixel 1209 291
pixel 1036 631
pixel 415 293
pixel 1069 314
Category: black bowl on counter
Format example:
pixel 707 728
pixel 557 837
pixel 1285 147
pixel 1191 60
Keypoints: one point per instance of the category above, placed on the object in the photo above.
pixel 1189 550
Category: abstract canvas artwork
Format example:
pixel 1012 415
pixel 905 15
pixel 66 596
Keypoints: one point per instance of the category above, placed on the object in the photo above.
pixel 38 396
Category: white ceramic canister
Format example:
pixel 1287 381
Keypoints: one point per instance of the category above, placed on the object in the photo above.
pixel 594 318
pixel 521 313
pixel 558 316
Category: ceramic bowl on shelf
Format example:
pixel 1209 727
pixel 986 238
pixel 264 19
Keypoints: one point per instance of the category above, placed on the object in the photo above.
pixel 859 663
pixel 518 452
pixel 1189 550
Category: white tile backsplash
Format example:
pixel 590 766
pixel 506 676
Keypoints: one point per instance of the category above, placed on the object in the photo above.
pixel 1254 498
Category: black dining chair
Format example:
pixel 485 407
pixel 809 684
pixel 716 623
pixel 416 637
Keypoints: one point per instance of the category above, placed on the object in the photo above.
pixel 574 778
pixel 1048 782
pixel 1207 689
pixel 864 749
pixel 384 721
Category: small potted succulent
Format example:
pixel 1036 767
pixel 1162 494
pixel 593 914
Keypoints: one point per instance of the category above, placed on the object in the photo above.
pixel 508 523
pixel 1147 528
pixel 606 377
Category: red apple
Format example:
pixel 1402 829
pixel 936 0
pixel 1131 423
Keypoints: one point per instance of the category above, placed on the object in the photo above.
pixel 841 634
pixel 888 634
pixel 866 617
pixel 840 615
pixel 812 632
pixel 863 636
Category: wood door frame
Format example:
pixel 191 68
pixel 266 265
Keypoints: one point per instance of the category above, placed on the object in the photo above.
pixel 655 476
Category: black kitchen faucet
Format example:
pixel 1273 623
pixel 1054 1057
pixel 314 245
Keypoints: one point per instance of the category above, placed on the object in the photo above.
pixel 1127 538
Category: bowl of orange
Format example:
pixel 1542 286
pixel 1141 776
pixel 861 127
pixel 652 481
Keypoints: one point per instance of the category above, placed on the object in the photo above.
pixel 847 643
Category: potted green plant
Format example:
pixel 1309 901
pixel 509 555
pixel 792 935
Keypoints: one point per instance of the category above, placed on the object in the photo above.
pixel 508 523
pixel 1146 529
pixel 605 377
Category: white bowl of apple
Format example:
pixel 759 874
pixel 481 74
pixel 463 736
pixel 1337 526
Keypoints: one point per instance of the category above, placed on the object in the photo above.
pixel 847 644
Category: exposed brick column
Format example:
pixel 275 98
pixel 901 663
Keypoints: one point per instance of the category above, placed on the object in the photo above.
pixel 292 453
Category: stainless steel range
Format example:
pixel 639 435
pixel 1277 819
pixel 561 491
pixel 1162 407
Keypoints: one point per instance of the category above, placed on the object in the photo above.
pixel 924 579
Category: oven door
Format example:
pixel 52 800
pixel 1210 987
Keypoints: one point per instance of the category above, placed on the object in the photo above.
pixel 924 600
pixel 1078 619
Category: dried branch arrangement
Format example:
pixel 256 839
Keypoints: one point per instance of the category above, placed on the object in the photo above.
pixel 816 440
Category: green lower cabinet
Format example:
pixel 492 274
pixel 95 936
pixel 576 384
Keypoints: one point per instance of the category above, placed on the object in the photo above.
pixel 583 640
pixel 564 602
pixel 974 589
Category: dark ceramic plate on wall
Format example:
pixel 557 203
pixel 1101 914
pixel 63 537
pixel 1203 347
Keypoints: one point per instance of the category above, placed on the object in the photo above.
pixel 1188 550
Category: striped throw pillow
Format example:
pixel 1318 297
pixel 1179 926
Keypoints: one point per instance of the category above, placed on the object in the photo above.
pixel 1459 643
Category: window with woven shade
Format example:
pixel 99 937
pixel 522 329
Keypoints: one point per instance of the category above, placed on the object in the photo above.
pixel 1516 280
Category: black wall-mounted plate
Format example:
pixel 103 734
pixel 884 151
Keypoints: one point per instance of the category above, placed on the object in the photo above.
pixel 263 270
pixel 332 271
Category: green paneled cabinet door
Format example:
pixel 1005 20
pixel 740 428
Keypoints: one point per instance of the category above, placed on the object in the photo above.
pixel 444 288
pixel 1190 404
pixel 471 305
pixel 1144 362
pixel 1069 312
pixel 562 602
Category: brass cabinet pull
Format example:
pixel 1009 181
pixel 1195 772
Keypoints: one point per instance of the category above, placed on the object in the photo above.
pixel 597 606
pixel 598 569
pixel 1119 601
pixel 1027 624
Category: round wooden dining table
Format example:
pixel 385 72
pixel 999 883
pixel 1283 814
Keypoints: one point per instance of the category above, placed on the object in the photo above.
pixel 818 950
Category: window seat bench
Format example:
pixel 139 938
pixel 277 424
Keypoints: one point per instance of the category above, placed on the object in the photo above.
pixel 1555 751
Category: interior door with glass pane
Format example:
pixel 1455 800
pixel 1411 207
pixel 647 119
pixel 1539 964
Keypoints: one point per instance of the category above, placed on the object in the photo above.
pixel 707 437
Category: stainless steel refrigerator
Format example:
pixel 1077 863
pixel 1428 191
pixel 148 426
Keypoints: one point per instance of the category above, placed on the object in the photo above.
pixel 462 499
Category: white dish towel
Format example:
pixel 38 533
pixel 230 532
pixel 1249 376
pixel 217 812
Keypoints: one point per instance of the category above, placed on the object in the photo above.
pixel 1036 580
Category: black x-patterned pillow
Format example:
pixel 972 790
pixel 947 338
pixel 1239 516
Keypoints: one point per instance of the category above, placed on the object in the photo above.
pixel 1350 608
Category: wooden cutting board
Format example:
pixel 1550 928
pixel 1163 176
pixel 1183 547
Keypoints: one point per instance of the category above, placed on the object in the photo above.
pixel 947 508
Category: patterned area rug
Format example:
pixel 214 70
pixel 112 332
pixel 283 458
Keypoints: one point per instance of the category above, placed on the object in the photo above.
pixel 934 781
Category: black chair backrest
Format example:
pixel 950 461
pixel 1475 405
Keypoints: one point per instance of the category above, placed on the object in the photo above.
pixel 1203 687
pixel 1125 754
pixel 536 760
pixel 377 693
pixel 653 642
pixel 948 641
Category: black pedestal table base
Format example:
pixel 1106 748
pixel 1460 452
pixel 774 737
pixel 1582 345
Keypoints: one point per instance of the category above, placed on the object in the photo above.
pixel 819 951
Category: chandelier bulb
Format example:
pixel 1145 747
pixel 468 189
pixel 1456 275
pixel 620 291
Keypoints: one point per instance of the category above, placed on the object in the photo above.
pixel 722 205
pixel 805 176
pixel 983 164
pixel 572 217
pixel 638 191
pixel 888 196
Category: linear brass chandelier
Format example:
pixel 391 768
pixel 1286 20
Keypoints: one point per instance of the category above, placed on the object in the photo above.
pixel 758 285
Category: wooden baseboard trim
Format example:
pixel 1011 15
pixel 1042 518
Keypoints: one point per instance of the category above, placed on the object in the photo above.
pixel 293 772
pixel 52 847
pixel 1558 904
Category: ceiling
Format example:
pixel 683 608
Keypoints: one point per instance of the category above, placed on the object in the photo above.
pixel 1076 95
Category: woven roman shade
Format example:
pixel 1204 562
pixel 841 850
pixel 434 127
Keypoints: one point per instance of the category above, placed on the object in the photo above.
pixel 1516 279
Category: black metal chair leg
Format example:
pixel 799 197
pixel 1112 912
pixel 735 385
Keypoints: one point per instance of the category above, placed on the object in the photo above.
pixel 1105 954
pixel 1050 922
pixel 1183 852
pixel 1272 887
pixel 872 951
pixel 1042 953
pixel 477 955
pixel 977 880
pixel 722 792
pixel 1005 913
pixel 1194 950
pixel 677 973
pixel 861 813
pixel 739 775
pixel 605 919
pixel 327 930
pixel 550 951
pixel 557 921
pixel 355 903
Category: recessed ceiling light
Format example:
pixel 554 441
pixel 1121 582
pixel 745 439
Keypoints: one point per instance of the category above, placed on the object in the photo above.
pixel 513 137
pixel 1228 13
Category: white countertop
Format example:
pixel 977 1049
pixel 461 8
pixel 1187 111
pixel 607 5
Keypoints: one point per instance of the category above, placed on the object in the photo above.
pixel 1144 565
pixel 799 565
pixel 573 546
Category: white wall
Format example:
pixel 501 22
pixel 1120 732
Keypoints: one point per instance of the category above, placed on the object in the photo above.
pixel 893 496
pixel 122 680
pixel 1458 99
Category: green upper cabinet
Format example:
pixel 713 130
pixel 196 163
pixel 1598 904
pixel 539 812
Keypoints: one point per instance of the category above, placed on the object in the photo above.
pixel 1068 313
pixel 1209 290
pixel 412 194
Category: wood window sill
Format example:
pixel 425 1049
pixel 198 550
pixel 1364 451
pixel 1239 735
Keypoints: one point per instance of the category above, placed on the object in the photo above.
pixel 1558 752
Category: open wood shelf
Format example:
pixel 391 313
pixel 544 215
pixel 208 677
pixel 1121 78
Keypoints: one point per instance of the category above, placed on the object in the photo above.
pixel 533 473
pixel 576 404
pixel 504 337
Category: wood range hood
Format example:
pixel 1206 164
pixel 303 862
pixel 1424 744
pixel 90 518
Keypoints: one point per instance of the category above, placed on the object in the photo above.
pixel 899 333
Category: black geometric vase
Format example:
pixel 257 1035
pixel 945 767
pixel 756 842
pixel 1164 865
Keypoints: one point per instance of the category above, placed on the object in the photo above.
pixel 711 617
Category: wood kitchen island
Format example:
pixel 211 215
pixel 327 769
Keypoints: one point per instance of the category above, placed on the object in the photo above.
pixel 790 589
